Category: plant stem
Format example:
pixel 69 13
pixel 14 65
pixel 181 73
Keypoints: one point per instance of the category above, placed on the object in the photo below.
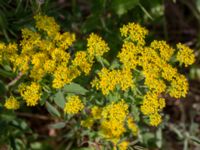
pixel 15 80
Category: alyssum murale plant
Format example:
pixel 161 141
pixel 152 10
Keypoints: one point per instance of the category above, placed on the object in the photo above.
pixel 144 74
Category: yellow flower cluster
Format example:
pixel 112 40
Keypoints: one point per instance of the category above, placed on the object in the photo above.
pixel 179 86
pixel 164 50
pixel 109 79
pixel 42 55
pixel 96 46
pixel 123 145
pixel 73 105
pixel 185 55
pixel 45 53
pixel 83 62
pixel 64 75
pixel 135 32
pixel 154 63
pixel 30 93
pixel 96 112
pixel 95 115
pixel 132 126
pixel 129 55
pixel 8 52
pixel 155 119
pixel 88 123
pixel 151 107
pixel 12 103
pixel 113 117
pixel 47 24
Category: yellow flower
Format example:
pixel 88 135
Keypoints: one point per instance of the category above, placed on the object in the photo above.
pixel 162 103
pixel 132 126
pixel 65 40
pixel 151 71
pixel 112 129
pixel 168 72
pixel 155 119
pixel 129 55
pixel 82 61
pixel 148 56
pixel 125 79
pixel 73 105
pixel 96 112
pixel 12 103
pixel 116 111
pixel 151 103
pixel 96 46
pixel 164 50
pixel 135 32
pixel 2 47
pixel 46 45
pixel 64 75
pixel 22 63
pixel 107 80
pixel 60 56
pixel 123 145
pixel 179 86
pixel 31 94
pixel 47 24
pixel 185 55
pixel 38 61
pixel 49 66
pixel 157 85
pixel 31 40
pixel 11 48
pixel 8 52
pixel 88 123
pixel 113 117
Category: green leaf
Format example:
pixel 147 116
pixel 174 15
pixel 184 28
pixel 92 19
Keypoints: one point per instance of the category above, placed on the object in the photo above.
pixel 159 138
pixel 2 88
pixel 52 110
pixel 177 131
pixel 148 138
pixel 59 99
pixel 6 74
pixel 122 6
pixel 92 22
pixel 136 113
pixel 75 88
pixel 105 61
pixel 114 64
pixel 58 125
pixel 44 97
pixel 195 139
pixel 114 96
pixel 198 4
pixel 36 145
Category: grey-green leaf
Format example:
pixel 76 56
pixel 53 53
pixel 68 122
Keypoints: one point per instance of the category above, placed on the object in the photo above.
pixel 195 139
pixel 52 110
pixel 59 99
pixel 136 113
pixel 122 6
pixel 58 125
pixel 159 138
pixel 75 88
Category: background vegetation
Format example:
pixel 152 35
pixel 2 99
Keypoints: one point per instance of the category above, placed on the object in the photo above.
pixel 171 20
